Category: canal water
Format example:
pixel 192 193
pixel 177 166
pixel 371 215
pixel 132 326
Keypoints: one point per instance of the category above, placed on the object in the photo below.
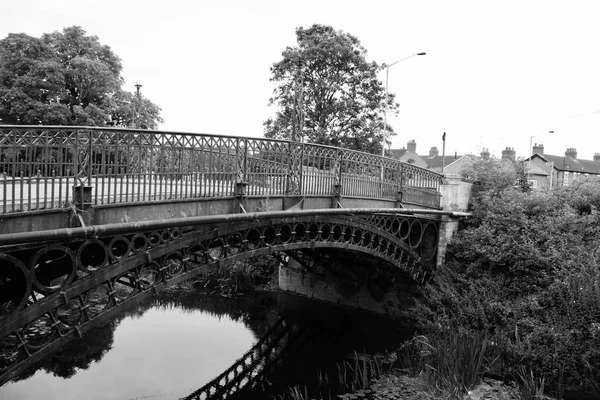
pixel 169 346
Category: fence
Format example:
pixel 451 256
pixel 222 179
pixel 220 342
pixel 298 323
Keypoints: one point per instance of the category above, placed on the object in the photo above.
pixel 40 167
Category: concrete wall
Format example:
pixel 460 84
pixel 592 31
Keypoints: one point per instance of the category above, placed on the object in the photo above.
pixel 456 192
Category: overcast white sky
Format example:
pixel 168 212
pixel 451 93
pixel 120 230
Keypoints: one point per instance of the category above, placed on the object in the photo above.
pixel 495 74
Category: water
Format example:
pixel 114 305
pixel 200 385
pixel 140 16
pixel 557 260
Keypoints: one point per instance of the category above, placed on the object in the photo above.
pixel 170 346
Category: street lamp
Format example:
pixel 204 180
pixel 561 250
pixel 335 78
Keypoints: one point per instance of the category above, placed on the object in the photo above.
pixel 387 74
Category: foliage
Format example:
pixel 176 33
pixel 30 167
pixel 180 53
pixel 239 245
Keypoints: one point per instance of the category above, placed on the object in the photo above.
pixel 451 361
pixel 493 176
pixel 239 277
pixel 327 92
pixel 525 269
pixel 67 78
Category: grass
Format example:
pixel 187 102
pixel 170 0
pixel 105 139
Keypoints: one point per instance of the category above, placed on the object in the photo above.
pixel 449 363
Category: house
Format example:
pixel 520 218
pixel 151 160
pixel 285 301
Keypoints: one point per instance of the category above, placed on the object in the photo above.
pixel 551 171
pixel 409 154
pixel 453 164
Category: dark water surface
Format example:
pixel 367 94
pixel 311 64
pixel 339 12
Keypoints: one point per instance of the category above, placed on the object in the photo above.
pixel 170 346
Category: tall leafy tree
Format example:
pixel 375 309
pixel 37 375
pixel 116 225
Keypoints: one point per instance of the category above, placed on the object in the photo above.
pixel 67 78
pixel 328 93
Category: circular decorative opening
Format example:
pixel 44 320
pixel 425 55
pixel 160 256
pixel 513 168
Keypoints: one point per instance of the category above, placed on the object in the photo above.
pixel 348 234
pixel 375 242
pixel 235 243
pixel 149 275
pixel 357 237
pixel 429 241
pixel 154 238
pixel 366 240
pixel 388 224
pixel 9 348
pixel 165 236
pixel 313 231
pixel 69 314
pixel 337 233
pixel 253 239
pixel 52 267
pixel 404 229
pixel 119 247
pixel 395 226
pixel 300 232
pixel 326 232
pixel 139 242
pixel 285 233
pixel 176 233
pixel 92 255
pixel 97 300
pixel 38 332
pixel 270 235
pixel 124 286
pixel 215 249
pixel 416 229
pixel 196 254
pixel 15 284
pixel 172 265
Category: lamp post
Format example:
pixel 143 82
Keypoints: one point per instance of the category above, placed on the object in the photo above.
pixel 387 74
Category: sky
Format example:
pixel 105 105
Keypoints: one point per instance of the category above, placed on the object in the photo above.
pixel 497 74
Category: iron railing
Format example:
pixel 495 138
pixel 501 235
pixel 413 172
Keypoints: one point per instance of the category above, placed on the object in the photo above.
pixel 47 167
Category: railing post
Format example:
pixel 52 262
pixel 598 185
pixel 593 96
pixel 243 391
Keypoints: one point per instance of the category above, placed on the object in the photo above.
pixel 399 188
pixel 294 169
pixel 337 185
pixel 82 190
pixel 241 183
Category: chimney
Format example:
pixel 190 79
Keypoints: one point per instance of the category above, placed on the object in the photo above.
pixel 433 152
pixel 538 148
pixel 411 146
pixel 597 157
pixel 508 153
pixel 571 152
pixel 485 154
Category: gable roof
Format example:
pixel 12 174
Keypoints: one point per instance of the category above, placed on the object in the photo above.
pixel 436 161
pixel 535 169
pixel 569 164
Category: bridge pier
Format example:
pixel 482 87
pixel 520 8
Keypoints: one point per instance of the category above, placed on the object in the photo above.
pixel 376 293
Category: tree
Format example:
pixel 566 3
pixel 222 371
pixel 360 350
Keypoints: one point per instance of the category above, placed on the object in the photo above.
pixel 65 78
pixel 328 93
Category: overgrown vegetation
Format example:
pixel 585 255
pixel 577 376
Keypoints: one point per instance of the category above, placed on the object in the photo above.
pixel 240 277
pixel 354 379
pixel 523 272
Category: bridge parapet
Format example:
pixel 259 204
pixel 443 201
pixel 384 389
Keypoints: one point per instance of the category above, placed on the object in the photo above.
pixel 54 167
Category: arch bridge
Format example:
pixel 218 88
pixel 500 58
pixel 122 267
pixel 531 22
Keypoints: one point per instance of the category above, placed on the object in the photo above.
pixel 95 219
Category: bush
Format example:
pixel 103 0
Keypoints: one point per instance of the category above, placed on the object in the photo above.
pixel 525 269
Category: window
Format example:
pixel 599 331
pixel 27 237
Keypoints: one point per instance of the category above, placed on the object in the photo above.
pixel 533 183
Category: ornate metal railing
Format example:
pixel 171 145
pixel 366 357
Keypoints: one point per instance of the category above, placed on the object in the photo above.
pixel 47 167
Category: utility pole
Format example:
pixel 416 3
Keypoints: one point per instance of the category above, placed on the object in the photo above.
pixel 443 152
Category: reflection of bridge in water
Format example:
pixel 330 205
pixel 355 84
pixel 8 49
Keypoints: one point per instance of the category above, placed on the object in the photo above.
pixel 96 219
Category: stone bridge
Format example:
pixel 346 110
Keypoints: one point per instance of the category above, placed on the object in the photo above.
pixel 95 219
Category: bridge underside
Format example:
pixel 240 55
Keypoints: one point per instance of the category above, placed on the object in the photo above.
pixel 53 290
pixel 349 278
